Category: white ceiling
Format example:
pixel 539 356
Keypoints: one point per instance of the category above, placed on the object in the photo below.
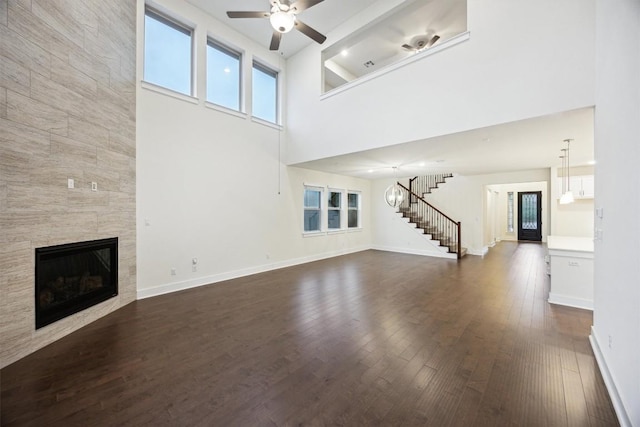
pixel 527 144
pixel 323 17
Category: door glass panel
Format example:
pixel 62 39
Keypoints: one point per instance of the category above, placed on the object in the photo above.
pixel 529 211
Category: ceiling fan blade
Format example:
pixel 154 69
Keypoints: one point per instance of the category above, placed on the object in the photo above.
pixel 248 14
pixel 301 5
pixel 433 40
pixel 309 32
pixel 407 47
pixel 275 40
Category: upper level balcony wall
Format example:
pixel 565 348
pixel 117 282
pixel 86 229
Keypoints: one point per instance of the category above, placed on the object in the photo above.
pixel 523 59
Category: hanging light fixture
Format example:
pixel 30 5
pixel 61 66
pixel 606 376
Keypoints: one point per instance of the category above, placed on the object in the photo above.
pixel 281 21
pixel 567 196
pixel 394 195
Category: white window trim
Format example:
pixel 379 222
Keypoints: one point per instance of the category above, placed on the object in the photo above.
pixel 359 226
pixel 324 209
pixel 341 209
pixel 225 110
pixel 323 230
pixel 276 70
pixel 185 24
pixel 223 46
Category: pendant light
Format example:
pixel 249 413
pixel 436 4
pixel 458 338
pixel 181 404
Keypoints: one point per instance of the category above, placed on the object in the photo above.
pixel 393 194
pixel 567 196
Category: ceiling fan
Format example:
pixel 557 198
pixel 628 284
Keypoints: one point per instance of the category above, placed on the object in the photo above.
pixel 283 18
pixel 420 42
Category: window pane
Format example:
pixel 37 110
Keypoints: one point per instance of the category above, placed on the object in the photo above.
pixel 353 218
pixel 353 211
pixel 223 76
pixel 311 220
pixel 167 53
pixel 529 211
pixel 333 219
pixel 334 199
pixel 265 93
pixel 353 200
pixel 311 199
pixel 510 212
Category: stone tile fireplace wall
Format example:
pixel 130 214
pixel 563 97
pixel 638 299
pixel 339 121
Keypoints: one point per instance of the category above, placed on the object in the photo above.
pixel 67 110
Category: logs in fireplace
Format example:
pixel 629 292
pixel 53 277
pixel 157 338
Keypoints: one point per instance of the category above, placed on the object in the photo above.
pixel 74 277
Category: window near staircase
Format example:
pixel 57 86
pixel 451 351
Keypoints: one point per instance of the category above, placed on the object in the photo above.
pixel 353 211
pixel 510 212
pixel 312 209
pixel 334 210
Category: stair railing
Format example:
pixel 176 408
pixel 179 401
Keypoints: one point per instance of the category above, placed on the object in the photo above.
pixel 432 220
pixel 422 185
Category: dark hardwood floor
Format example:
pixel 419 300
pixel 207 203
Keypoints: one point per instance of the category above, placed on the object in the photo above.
pixel 372 338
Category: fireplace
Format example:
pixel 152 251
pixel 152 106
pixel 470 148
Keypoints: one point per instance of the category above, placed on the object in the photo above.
pixel 73 277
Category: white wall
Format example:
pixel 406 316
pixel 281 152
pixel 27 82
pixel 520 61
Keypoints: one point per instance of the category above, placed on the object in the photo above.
pixel 616 329
pixel 505 72
pixel 210 186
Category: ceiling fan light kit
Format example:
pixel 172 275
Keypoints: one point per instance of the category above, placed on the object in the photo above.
pixel 283 18
pixel 282 22
pixel 421 42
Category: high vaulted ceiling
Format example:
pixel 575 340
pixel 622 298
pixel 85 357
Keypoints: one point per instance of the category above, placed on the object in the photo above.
pixel 323 17
pixel 526 144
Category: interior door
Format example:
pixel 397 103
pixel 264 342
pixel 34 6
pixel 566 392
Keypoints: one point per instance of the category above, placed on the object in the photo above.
pixel 530 215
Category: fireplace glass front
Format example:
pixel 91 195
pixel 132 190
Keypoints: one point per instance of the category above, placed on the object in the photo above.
pixel 73 277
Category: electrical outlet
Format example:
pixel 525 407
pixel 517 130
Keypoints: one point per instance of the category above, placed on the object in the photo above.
pixel 94 186
pixel 610 341
pixel 70 183
pixel 173 271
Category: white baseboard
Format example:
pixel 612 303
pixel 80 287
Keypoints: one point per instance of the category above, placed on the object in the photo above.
pixel 479 252
pixel 208 280
pixel 623 417
pixel 571 301
pixel 435 254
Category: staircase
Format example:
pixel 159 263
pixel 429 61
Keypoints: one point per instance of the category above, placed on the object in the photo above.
pixel 441 230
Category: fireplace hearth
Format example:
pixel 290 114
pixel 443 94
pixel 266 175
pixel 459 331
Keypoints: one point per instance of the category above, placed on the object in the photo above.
pixel 74 277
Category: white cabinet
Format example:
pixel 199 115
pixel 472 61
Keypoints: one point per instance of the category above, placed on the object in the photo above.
pixel 586 188
pixel 582 186
pixel 571 269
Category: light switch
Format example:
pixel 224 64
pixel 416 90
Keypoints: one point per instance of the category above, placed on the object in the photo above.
pixel 70 183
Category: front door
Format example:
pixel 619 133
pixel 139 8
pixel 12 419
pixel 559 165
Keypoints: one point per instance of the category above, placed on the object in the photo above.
pixel 530 216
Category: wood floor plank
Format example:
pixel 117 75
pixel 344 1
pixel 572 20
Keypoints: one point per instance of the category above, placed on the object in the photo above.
pixel 371 338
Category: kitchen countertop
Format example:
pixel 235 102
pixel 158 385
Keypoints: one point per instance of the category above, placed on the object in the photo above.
pixel 568 243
